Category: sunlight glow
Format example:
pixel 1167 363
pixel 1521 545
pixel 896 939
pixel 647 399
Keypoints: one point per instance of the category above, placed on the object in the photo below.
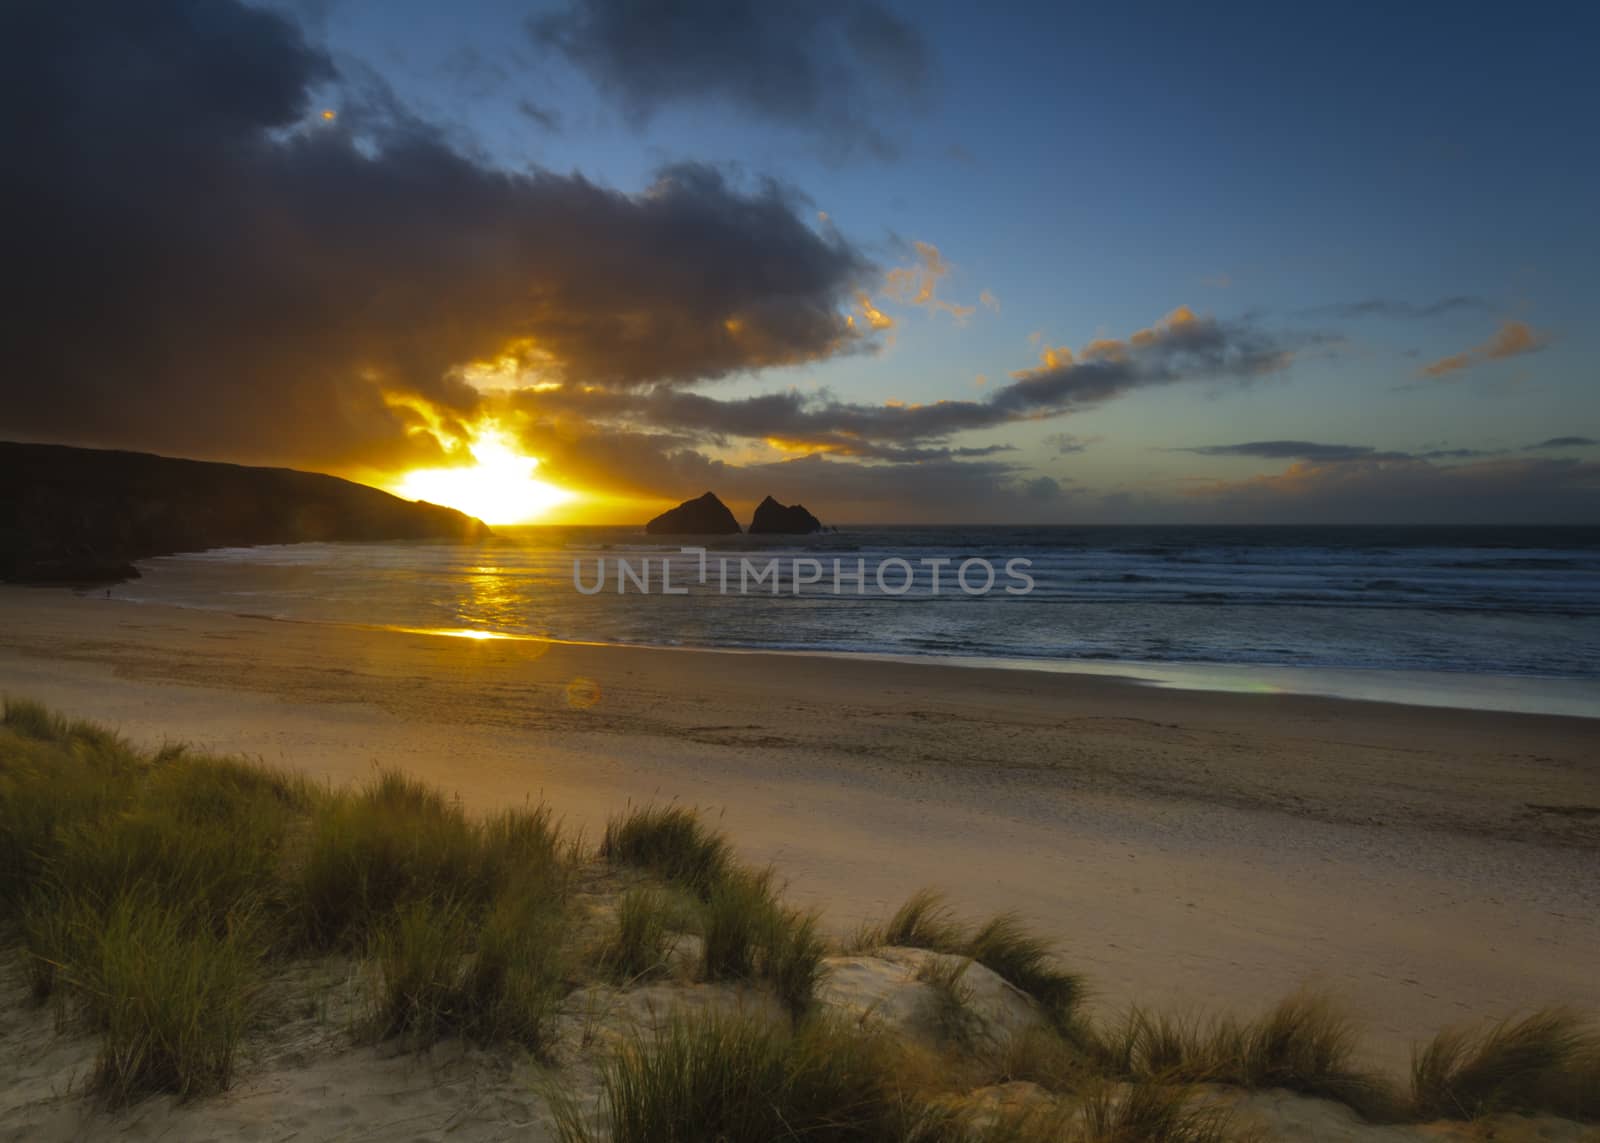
pixel 498 488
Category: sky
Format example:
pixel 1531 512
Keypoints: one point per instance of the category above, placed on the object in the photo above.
pixel 1056 263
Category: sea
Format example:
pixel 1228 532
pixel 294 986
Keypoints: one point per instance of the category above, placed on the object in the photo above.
pixel 1490 617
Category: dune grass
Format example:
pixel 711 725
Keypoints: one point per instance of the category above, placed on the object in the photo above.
pixel 1041 1055
pixel 639 943
pixel 139 884
pixel 925 921
pixel 749 934
pixel 56 777
pixel 1006 947
pixel 154 892
pixel 1149 1113
pixel 742 1081
pixel 1546 1062
pixel 444 969
pixel 671 842
pixel 1304 1043
pixel 745 1081
pixel 945 977
pixel 151 891
pixel 397 842
pixel 171 999
pixel 1003 944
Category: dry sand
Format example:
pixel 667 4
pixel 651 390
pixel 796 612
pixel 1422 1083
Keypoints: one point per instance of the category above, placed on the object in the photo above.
pixel 1432 866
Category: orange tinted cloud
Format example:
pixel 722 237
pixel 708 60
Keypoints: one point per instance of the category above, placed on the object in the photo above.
pixel 876 318
pixel 1512 339
pixel 1056 357
pixel 918 285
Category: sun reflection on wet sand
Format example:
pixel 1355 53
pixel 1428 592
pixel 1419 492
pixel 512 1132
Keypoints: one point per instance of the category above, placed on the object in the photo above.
pixel 536 644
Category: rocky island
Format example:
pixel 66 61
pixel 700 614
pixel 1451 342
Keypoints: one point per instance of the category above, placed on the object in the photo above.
pixel 702 516
pixel 772 518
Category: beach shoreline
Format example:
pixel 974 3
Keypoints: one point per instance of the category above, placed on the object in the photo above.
pixel 1187 848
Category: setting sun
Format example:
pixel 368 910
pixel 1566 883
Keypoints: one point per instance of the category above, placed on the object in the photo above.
pixel 498 488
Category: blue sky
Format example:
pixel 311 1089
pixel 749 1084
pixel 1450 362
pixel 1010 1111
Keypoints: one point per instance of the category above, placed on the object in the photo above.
pixel 1093 167
pixel 1360 238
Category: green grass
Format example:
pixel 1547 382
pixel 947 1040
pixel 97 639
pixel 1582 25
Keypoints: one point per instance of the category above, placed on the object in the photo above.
pixel 1004 945
pixel 672 842
pixel 945 977
pixel 55 778
pixel 444 971
pixel 925 921
pixel 170 999
pixel 151 890
pixel 1305 1044
pixel 397 842
pixel 1546 1062
pixel 34 720
pixel 1043 1056
pixel 749 934
pixel 1149 1113
pixel 638 944
pixel 742 1081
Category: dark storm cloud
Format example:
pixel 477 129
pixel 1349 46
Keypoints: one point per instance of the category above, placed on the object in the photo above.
pixel 1181 347
pixel 822 66
pixel 202 263
pixel 1566 442
pixel 1390 308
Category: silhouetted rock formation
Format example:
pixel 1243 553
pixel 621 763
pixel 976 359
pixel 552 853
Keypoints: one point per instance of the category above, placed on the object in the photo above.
pixel 81 515
pixel 706 516
pixel 773 518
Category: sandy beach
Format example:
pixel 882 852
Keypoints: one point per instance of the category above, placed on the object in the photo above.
pixel 1188 849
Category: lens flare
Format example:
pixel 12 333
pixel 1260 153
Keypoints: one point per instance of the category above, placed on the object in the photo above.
pixel 582 693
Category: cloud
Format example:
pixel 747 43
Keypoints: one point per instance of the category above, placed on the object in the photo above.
pixel 1327 453
pixel 1399 310
pixel 1287 450
pixel 632 463
pixel 988 301
pixel 1063 444
pixel 918 284
pixel 1181 346
pixel 1512 339
pixel 664 441
pixel 1045 488
pixel 547 117
pixel 1407 491
pixel 1565 442
pixel 214 269
pixel 823 66
pixel 1457 453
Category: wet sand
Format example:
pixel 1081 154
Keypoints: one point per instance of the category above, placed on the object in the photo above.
pixel 1187 849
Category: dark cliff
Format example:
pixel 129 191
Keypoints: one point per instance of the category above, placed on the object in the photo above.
pixel 83 515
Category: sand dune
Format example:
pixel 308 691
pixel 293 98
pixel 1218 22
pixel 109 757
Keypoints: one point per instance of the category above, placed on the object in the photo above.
pixel 1187 849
